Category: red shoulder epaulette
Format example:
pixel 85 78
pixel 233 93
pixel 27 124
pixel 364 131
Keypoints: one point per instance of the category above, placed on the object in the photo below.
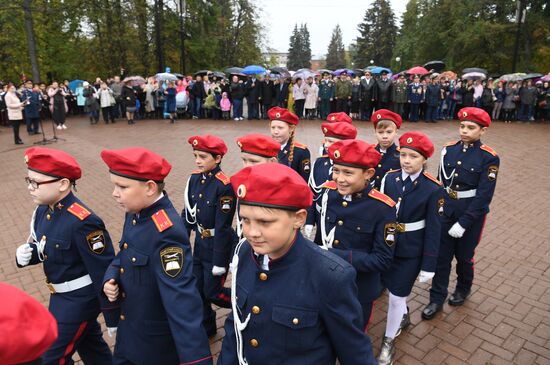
pixel 330 185
pixel 300 145
pixel 451 143
pixel 394 170
pixel 79 211
pixel 195 172
pixel 382 197
pixel 223 178
pixel 161 220
pixel 486 148
pixel 433 178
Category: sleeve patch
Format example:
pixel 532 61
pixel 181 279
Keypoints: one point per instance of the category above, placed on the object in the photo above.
pixel 172 260
pixel 223 178
pixel 389 234
pixel 162 222
pixel 492 172
pixel 440 205
pixel 306 165
pixel 382 197
pixel 79 211
pixel 96 242
pixel 226 203
pixel 486 148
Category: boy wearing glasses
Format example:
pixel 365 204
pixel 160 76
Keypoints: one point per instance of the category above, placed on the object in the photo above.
pixel 76 249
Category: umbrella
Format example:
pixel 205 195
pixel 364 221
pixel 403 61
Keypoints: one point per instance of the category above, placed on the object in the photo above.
pixel 218 74
pixel 165 76
pixel 324 70
pixel 179 76
pixel 234 71
pixel 512 77
pixel 202 72
pixel 418 70
pixel 377 70
pixel 253 70
pixel 359 71
pixel 449 75
pixel 303 74
pixel 282 71
pixel 134 80
pixel 546 78
pixel 74 84
pixel 437 66
pixel 532 76
pixel 341 70
pixel 474 69
pixel 474 75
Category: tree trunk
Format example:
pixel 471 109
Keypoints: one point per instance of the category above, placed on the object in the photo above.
pixel 159 6
pixel 31 40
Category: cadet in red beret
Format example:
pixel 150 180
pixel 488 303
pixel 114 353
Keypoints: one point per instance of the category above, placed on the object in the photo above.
pixel 271 304
pixel 209 210
pixel 468 171
pixel 257 148
pixel 356 221
pixel 339 117
pixel 321 171
pixel 152 275
pixel 76 249
pixel 283 130
pixel 420 202
pixel 27 330
pixel 386 124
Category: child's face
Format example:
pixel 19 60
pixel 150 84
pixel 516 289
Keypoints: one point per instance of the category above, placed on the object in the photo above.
pixel 45 194
pixel 386 135
pixel 270 231
pixel 350 180
pixel 411 161
pixel 470 132
pixel 328 141
pixel 250 159
pixel 280 131
pixel 130 194
pixel 205 161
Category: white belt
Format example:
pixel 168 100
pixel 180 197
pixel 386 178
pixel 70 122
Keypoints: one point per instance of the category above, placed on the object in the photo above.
pixel 69 286
pixel 410 227
pixel 461 194
pixel 206 233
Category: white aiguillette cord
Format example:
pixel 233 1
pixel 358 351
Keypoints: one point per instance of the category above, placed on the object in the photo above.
pixel 326 238
pixel 33 240
pixel 446 177
pixel 189 211
pixel 238 325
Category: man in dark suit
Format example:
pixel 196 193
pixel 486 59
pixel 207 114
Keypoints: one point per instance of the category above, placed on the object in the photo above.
pixel 368 85
pixel 383 91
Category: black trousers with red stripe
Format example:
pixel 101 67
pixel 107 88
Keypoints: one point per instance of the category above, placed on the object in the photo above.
pixel 85 338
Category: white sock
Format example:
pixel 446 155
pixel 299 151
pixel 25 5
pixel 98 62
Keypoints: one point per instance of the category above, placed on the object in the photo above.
pixel 397 307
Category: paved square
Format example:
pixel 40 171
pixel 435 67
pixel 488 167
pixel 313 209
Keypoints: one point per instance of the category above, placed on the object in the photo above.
pixel 505 321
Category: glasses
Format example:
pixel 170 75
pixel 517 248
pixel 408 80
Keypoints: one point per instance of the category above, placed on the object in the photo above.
pixel 35 184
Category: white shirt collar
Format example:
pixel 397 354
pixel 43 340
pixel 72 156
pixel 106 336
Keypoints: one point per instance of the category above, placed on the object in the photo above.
pixel 404 175
pixel 283 146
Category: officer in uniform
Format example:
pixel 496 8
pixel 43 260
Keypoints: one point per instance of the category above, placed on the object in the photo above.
pixel 415 96
pixel 209 211
pixel 386 124
pixel 326 94
pixel 151 276
pixel 292 302
pixel 468 170
pixel 322 168
pixel 356 221
pixel 283 130
pixel 419 198
pixel 76 249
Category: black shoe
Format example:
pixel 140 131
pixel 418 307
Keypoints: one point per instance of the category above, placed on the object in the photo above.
pixel 458 298
pixel 19 142
pixel 431 310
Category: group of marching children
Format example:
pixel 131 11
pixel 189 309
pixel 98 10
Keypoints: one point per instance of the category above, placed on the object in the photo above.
pixel 379 217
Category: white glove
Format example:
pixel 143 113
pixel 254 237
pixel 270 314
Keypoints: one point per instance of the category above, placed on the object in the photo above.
pixel 424 276
pixel 111 331
pixel 456 230
pixel 23 254
pixel 308 230
pixel 218 271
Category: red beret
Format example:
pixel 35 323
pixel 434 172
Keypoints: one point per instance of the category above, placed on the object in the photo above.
pixel 417 141
pixel 208 143
pixel 258 144
pixel 354 153
pixel 341 130
pixel 136 163
pixel 283 115
pixel 27 328
pixel 52 162
pixel 272 185
pixel 476 115
pixel 339 117
pixel 385 114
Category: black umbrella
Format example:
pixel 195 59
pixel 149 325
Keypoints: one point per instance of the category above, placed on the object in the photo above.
pixel 218 74
pixel 179 76
pixel 437 66
pixel 283 71
pixel 474 69
pixel 202 72
pixel 359 71
pixel 532 76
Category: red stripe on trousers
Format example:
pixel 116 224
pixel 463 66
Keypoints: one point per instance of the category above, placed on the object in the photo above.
pixel 70 347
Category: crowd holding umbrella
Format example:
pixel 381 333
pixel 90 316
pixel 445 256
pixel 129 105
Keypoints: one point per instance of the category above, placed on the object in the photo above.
pixel 134 80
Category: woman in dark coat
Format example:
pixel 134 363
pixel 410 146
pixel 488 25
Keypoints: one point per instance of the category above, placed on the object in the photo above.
pixel 170 105
pixel 128 96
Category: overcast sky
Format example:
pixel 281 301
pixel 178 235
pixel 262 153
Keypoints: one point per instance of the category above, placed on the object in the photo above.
pixel 321 16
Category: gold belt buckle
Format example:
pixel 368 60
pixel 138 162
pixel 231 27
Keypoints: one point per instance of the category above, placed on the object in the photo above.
pixel 400 227
pixel 206 233
pixel 452 194
pixel 50 287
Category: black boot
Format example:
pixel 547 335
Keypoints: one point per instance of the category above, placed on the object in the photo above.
pixel 458 298
pixel 431 310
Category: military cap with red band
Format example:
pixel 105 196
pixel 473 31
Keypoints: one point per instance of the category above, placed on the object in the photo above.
pixel 418 142
pixel 28 329
pixel 258 144
pixel 284 115
pixel 339 117
pixel 51 162
pixel 137 163
pixel 272 185
pixel 208 143
pixel 385 114
pixel 475 115
pixel 341 130
pixel 354 153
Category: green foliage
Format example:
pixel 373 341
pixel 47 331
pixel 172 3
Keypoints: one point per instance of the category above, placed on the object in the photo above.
pixel 299 51
pixel 336 52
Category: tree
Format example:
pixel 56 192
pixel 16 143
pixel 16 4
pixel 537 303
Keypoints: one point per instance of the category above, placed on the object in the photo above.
pixel 336 51
pixel 306 47
pixel 377 35
pixel 299 52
